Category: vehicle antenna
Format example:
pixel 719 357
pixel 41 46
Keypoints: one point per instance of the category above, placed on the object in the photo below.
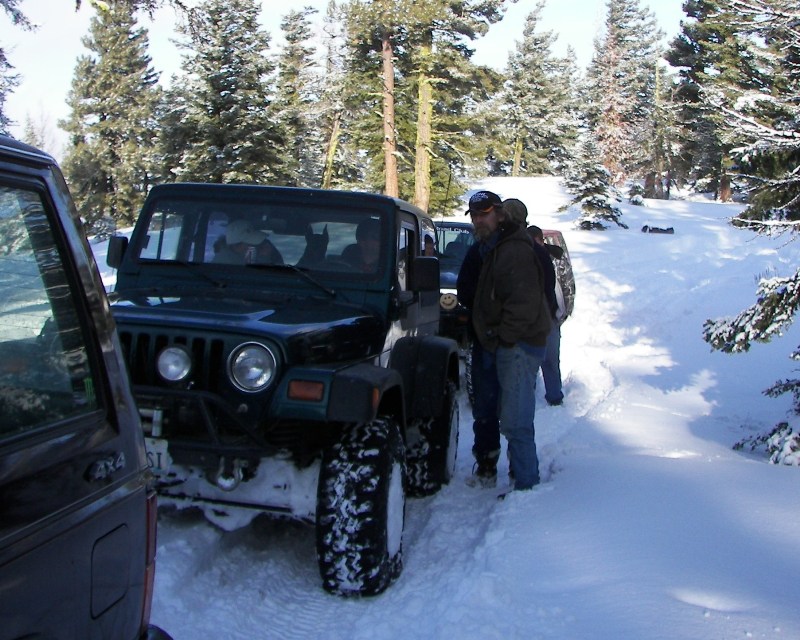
pixel 446 192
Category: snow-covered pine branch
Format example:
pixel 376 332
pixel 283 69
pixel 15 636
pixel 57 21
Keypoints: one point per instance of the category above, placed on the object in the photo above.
pixel 777 303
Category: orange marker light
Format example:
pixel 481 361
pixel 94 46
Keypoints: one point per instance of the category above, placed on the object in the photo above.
pixel 306 390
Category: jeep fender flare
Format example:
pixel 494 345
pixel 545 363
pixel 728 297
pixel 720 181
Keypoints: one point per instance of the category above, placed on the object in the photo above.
pixel 362 392
pixel 426 364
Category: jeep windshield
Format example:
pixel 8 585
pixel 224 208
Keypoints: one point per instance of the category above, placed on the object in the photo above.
pixel 454 240
pixel 317 237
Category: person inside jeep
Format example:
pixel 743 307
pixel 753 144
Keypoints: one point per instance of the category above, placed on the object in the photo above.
pixel 365 253
pixel 246 245
pixel 430 246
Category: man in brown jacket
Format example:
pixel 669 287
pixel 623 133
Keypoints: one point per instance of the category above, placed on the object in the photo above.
pixel 511 320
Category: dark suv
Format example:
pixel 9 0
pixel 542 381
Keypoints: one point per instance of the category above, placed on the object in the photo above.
pixel 454 240
pixel 77 514
pixel 282 345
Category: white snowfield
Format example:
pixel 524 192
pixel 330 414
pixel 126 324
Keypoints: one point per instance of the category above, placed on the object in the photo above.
pixel 648 524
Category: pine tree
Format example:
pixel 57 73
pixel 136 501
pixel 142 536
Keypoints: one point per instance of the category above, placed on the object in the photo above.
pixel 457 128
pixel 296 93
pixel 621 84
pixel 537 106
pixel 334 116
pixel 376 42
pixel 762 108
pixel 703 52
pixel 593 188
pixel 110 158
pixel 764 121
pixel 413 113
pixel 39 132
pixel 661 151
pixel 8 79
pixel 438 32
pixel 219 126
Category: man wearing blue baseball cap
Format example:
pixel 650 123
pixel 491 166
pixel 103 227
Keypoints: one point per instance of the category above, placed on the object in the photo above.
pixel 483 201
pixel 511 321
pixel 483 370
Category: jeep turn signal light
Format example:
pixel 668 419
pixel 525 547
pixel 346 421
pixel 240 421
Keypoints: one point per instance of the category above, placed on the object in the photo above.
pixel 306 390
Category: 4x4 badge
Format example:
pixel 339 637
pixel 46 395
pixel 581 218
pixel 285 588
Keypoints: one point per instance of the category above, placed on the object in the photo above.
pixel 101 469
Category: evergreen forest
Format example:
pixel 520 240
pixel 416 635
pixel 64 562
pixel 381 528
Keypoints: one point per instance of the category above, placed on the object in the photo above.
pixel 384 96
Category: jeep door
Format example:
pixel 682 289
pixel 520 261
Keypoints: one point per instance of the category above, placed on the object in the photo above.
pixel 73 501
pixel 420 314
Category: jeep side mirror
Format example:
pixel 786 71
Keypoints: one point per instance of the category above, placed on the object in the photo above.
pixel 425 274
pixel 116 250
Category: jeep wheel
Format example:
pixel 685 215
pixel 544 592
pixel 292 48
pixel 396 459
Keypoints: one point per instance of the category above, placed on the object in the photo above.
pixel 433 449
pixel 361 510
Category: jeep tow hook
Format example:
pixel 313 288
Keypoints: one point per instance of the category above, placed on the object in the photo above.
pixel 229 474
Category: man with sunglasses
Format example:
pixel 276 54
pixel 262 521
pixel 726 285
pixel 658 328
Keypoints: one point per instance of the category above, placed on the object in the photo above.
pixel 511 321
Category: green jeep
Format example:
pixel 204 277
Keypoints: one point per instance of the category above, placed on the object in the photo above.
pixel 283 350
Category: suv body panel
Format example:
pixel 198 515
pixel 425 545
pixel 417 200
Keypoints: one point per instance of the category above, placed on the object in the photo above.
pixel 77 521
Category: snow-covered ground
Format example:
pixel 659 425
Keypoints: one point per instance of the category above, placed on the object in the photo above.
pixel 648 524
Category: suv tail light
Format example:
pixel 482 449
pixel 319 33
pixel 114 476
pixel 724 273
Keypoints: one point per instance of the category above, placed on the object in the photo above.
pixel 150 559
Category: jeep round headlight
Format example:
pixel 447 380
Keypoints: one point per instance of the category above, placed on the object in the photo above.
pixel 174 363
pixel 251 366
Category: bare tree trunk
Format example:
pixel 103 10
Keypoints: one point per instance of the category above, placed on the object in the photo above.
pixel 389 138
pixel 422 161
pixel 725 191
pixel 650 185
pixel 517 157
pixel 330 152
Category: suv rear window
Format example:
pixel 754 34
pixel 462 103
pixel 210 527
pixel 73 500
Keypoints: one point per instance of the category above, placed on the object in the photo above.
pixel 45 374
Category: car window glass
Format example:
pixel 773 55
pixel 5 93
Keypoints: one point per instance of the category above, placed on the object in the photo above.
pixel 454 241
pixel 321 238
pixel 402 258
pixel 428 236
pixel 44 368
pixel 163 235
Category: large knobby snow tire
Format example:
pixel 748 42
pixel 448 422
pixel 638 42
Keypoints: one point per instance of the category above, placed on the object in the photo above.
pixel 468 383
pixel 361 510
pixel 433 446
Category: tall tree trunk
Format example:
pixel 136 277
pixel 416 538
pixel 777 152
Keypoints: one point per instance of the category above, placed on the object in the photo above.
pixel 330 152
pixel 725 190
pixel 422 161
pixel 389 137
pixel 517 156
pixel 650 185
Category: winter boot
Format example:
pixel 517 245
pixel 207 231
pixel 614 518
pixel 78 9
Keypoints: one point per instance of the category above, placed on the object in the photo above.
pixel 484 473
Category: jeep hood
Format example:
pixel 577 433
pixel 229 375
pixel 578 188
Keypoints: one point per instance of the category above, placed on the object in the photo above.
pixel 310 324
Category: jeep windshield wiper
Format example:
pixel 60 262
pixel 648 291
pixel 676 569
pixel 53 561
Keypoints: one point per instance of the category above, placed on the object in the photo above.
pixel 290 267
pixel 190 266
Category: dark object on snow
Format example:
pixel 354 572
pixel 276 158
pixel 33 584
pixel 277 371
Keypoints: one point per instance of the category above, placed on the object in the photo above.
pixel 648 229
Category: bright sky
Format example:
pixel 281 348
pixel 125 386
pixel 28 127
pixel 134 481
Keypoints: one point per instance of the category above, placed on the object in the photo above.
pixel 45 59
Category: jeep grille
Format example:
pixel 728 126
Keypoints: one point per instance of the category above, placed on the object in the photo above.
pixel 141 348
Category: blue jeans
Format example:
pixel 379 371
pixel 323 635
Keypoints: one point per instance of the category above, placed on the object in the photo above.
pixel 551 366
pixel 517 368
pixel 486 394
